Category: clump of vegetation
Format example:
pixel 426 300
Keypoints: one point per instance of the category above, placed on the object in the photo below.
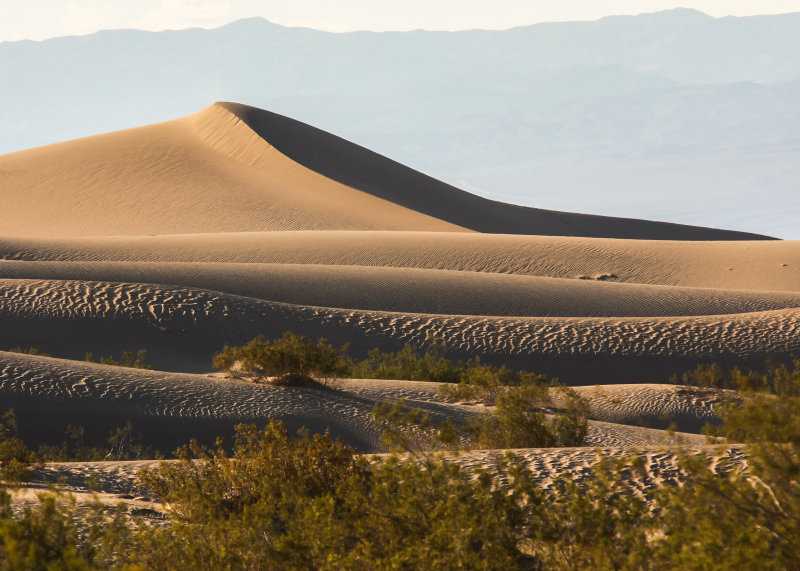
pixel 290 360
pixel 28 351
pixel 127 359
pixel 16 460
pixel 293 359
pixel 121 443
pixel 522 417
pixel 311 502
pixel 527 417
pixel 777 378
pixel 432 364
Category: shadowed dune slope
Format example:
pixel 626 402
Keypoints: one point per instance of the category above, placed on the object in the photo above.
pixel 752 265
pixel 417 290
pixel 233 168
pixel 377 175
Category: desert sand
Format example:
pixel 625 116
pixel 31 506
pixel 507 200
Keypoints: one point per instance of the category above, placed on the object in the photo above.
pixel 182 237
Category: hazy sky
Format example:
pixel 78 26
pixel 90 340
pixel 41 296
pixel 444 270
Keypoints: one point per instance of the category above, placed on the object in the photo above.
pixel 40 19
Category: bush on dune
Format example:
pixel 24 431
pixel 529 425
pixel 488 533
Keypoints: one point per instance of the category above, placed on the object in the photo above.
pixel 522 417
pixel 16 460
pixel 290 360
pixel 127 359
pixel 777 378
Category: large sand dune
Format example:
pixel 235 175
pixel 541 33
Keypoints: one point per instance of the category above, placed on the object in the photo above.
pixel 232 168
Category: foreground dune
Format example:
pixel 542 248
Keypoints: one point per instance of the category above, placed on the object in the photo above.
pixel 115 481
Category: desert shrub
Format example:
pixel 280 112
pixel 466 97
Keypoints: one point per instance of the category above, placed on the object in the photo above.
pixel 121 443
pixel 727 516
pixel 126 359
pixel 408 364
pixel 486 382
pixel 523 417
pixel 777 377
pixel 311 503
pixel 291 360
pixel 45 537
pixel 413 364
pixel 602 522
pixel 28 351
pixel 16 460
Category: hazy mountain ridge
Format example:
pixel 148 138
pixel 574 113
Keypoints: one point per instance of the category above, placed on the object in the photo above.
pixel 475 108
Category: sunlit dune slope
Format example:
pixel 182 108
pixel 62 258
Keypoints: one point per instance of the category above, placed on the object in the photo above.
pixel 233 168
pixel 752 265
pixel 207 172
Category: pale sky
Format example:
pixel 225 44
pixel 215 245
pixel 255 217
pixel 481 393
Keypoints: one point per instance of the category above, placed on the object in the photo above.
pixel 41 19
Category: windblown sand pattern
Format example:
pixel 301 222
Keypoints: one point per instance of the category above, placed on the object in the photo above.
pixel 181 237
pixel 205 319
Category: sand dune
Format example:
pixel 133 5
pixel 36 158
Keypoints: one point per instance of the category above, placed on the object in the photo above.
pixel 233 168
pixel 183 326
pixel 181 237
pixel 757 265
pixel 415 290
pixel 50 393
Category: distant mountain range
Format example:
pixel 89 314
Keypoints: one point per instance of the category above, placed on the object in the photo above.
pixel 674 116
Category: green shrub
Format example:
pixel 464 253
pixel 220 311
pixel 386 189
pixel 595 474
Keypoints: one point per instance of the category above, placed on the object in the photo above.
pixel 777 378
pixel 523 417
pixel 28 351
pixel 16 460
pixel 291 360
pixel 127 359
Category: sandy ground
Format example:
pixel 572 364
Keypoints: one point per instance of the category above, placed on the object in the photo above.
pixel 180 237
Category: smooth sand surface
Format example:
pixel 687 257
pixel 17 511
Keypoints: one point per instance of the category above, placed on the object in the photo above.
pixel 752 265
